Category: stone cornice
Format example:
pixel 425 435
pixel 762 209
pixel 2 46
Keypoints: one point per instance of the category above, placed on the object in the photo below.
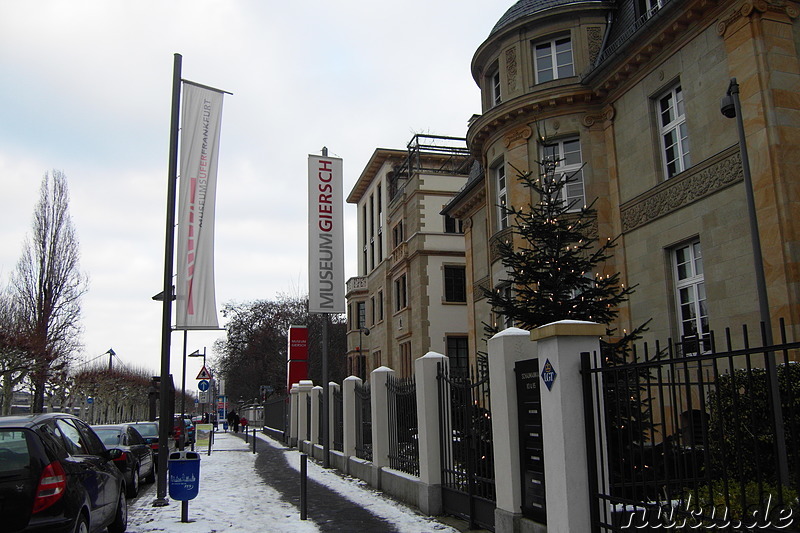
pixel 710 176
pixel 749 8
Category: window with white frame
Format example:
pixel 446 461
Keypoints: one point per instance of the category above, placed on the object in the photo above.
pixel 650 7
pixel 673 132
pixel 502 195
pixel 502 321
pixel 494 88
pixel 562 161
pixel 553 59
pixel 690 294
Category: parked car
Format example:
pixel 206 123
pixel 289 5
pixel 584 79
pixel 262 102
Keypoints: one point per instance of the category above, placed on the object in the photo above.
pixel 136 462
pixel 149 432
pixel 190 429
pixel 57 476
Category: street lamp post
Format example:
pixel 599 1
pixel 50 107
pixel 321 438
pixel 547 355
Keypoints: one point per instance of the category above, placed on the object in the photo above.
pixel 731 107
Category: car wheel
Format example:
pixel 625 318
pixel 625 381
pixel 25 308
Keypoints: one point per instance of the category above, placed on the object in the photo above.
pixel 81 526
pixel 133 487
pixel 120 523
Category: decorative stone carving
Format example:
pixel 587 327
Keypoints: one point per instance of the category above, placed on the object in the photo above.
pixel 608 113
pixel 511 69
pixel 681 191
pixel 517 136
pixel 478 288
pixel 761 6
pixel 594 36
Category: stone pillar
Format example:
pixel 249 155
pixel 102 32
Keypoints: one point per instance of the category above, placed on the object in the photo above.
pixel 349 415
pixel 379 403
pixel 316 437
pixel 293 392
pixel 303 391
pixel 430 464
pixel 333 388
pixel 563 422
pixel 505 349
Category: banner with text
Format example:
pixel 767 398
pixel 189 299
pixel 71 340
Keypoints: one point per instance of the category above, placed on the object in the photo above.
pixel 200 128
pixel 325 235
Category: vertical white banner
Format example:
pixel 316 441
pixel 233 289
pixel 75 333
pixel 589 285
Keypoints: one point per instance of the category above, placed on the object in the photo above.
pixel 201 118
pixel 325 235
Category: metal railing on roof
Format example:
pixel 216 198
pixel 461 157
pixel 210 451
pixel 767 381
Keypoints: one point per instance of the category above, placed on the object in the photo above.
pixel 430 154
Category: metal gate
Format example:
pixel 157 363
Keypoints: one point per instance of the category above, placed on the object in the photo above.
pixel 465 434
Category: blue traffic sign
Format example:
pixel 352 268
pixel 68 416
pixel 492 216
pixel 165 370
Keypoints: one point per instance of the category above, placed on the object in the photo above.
pixel 203 385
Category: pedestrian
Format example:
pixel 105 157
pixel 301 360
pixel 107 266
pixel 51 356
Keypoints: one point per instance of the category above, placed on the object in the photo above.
pixel 235 422
pixel 243 422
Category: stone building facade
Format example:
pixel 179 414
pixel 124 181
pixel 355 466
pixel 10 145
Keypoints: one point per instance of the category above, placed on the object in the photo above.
pixel 410 295
pixel 627 93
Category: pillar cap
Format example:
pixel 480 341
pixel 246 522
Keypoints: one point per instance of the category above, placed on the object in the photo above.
pixel 568 328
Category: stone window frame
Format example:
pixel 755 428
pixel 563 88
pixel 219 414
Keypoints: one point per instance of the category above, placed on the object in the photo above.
pixel 673 135
pixel 564 168
pixel 553 56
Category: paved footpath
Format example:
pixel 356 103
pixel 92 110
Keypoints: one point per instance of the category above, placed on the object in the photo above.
pixel 245 492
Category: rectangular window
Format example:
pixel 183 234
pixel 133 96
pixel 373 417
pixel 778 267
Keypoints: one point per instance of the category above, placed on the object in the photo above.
pixel 502 196
pixel 380 305
pixel 365 237
pixel 495 88
pixel 397 235
pixel 400 295
pixel 362 314
pixel 562 161
pixel 690 294
pixel 453 225
pixel 455 284
pixel 673 133
pixel 372 310
pixel 501 321
pixel 380 224
pixel 406 367
pixel 648 8
pixel 553 60
pixel 457 351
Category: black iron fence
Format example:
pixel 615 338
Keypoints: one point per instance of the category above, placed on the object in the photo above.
pixel 276 412
pixel 337 424
pixel 363 422
pixel 403 436
pixel 690 437
pixel 465 432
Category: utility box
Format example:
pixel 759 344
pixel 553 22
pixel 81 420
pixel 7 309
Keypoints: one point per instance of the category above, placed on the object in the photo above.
pixel 184 475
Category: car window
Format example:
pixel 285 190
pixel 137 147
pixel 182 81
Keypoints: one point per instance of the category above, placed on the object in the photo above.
pixel 72 438
pixel 134 437
pixel 110 437
pixel 93 443
pixel 14 453
pixel 147 430
pixel 53 440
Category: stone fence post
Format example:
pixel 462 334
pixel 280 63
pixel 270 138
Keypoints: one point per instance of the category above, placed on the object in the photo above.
pixel 293 392
pixel 316 437
pixel 333 388
pixel 430 463
pixel 379 404
pixel 349 415
pixel 303 391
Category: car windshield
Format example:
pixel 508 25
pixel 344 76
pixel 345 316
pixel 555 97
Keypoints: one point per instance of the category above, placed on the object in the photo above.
pixel 147 430
pixel 112 437
pixel 14 454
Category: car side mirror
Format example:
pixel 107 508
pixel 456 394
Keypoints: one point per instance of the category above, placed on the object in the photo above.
pixel 113 454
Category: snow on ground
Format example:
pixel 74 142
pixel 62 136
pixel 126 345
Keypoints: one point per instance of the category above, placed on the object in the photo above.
pixel 232 497
pixel 405 519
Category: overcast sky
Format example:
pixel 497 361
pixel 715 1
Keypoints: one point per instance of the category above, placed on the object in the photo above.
pixel 85 86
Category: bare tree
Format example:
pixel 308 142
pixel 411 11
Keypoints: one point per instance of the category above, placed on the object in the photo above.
pixel 47 286
pixel 14 352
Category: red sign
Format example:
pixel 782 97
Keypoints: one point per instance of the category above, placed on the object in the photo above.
pixel 298 343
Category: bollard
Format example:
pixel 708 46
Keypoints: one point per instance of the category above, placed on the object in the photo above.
pixel 303 475
pixel 254 440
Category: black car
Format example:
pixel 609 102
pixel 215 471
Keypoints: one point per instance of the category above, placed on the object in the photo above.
pixel 56 476
pixel 149 432
pixel 136 462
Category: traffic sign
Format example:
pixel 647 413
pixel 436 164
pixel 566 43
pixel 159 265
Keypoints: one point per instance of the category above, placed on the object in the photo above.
pixel 203 385
pixel 202 397
pixel 204 374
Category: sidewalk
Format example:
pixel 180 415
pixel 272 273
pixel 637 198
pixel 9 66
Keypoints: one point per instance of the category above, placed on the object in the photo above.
pixel 245 492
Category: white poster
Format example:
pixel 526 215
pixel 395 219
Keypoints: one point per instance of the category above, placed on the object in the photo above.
pixel 201 118
pixel 325 235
